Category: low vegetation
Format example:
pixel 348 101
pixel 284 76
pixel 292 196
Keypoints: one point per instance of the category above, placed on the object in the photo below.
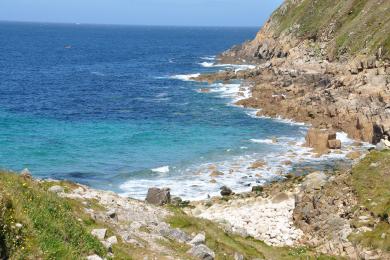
pixel 36 224
pixel 352 27
pixel 371 180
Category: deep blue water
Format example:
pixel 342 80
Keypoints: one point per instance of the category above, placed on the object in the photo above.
pixel 99 105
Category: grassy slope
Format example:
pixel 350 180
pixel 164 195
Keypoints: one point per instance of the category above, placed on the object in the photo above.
pixel 360 26
pixel 51 227
pixel 371 180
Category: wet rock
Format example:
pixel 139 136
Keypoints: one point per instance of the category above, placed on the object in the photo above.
pixel 158 196
pixel 334 144
pixel 225 191
pixel 202 252
pixel 258 164
pixel 216 173
pixel 56 189
pixel 354 155
pixel 99 233
pixel 321 140
pixel 257 189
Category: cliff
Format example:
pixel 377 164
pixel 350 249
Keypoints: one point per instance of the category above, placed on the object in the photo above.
pixel 340 30
pixel 326 63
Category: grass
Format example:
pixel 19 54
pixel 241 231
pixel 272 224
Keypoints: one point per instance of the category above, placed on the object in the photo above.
pixel 51 227
pixel 371 181
pixel 355 27
pixel 226 245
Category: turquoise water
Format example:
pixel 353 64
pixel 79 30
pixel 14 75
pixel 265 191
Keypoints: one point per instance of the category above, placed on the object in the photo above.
pixel 104 106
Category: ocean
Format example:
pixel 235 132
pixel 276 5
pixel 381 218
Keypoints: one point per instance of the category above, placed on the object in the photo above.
pixel 113 107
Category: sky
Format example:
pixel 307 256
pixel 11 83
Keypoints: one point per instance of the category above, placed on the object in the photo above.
pixel 141 12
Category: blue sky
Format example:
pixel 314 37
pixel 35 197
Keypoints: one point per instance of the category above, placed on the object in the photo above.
pixel 141 12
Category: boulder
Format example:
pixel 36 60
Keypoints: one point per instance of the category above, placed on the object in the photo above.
pixel 225 191
pixel 112 240
pixel 25 173
pixel 94 257
pixel 314 181
pixel 112 214
pixel 198 239
pixel 321 140
pixel 158 196
pixel 202 252
pixel 334 144
pixel 56 189
pixel 99 233
pixel 257 189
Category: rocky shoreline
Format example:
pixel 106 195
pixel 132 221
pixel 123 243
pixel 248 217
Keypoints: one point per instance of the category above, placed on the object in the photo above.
pixel 317 211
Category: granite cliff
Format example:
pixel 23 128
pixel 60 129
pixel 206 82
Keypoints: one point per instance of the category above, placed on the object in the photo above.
pixel 322 62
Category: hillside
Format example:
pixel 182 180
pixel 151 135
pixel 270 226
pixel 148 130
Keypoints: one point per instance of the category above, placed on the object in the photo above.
pixel 340 29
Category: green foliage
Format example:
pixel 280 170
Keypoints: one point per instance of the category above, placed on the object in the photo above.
pixel 50 228
pixel 352 27
pixel 371 180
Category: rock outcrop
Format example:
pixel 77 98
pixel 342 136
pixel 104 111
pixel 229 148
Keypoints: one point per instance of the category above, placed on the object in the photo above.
pixel 322 140
pixel 332 71
pixel 158 196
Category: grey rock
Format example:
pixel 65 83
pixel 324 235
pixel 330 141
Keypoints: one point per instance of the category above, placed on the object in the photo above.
pixel 158 196
pixel 238 256
pixel 25 173
pixel 174 234
pixel 112 240
pixel 111 214
pixel 198 239
pixel 314 181
pixel 94 257
pixel 56 189
pixel 225 191
pixel 99 233
pixel 202 252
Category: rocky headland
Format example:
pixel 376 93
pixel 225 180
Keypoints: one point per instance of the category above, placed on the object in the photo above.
pixel 329 70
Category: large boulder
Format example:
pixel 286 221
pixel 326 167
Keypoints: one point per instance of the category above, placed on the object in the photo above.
pixel 158 196
pixel 321 140
pixel 226 191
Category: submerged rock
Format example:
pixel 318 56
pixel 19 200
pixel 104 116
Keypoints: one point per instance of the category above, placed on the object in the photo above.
pixel 158 196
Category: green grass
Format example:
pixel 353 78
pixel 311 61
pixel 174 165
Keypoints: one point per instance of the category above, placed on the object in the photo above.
pixel 226 245
pixel 358 26
pixel 51 229
pixel 371 181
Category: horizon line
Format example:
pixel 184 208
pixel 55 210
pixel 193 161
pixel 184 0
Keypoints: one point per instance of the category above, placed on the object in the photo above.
pixel 133 25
